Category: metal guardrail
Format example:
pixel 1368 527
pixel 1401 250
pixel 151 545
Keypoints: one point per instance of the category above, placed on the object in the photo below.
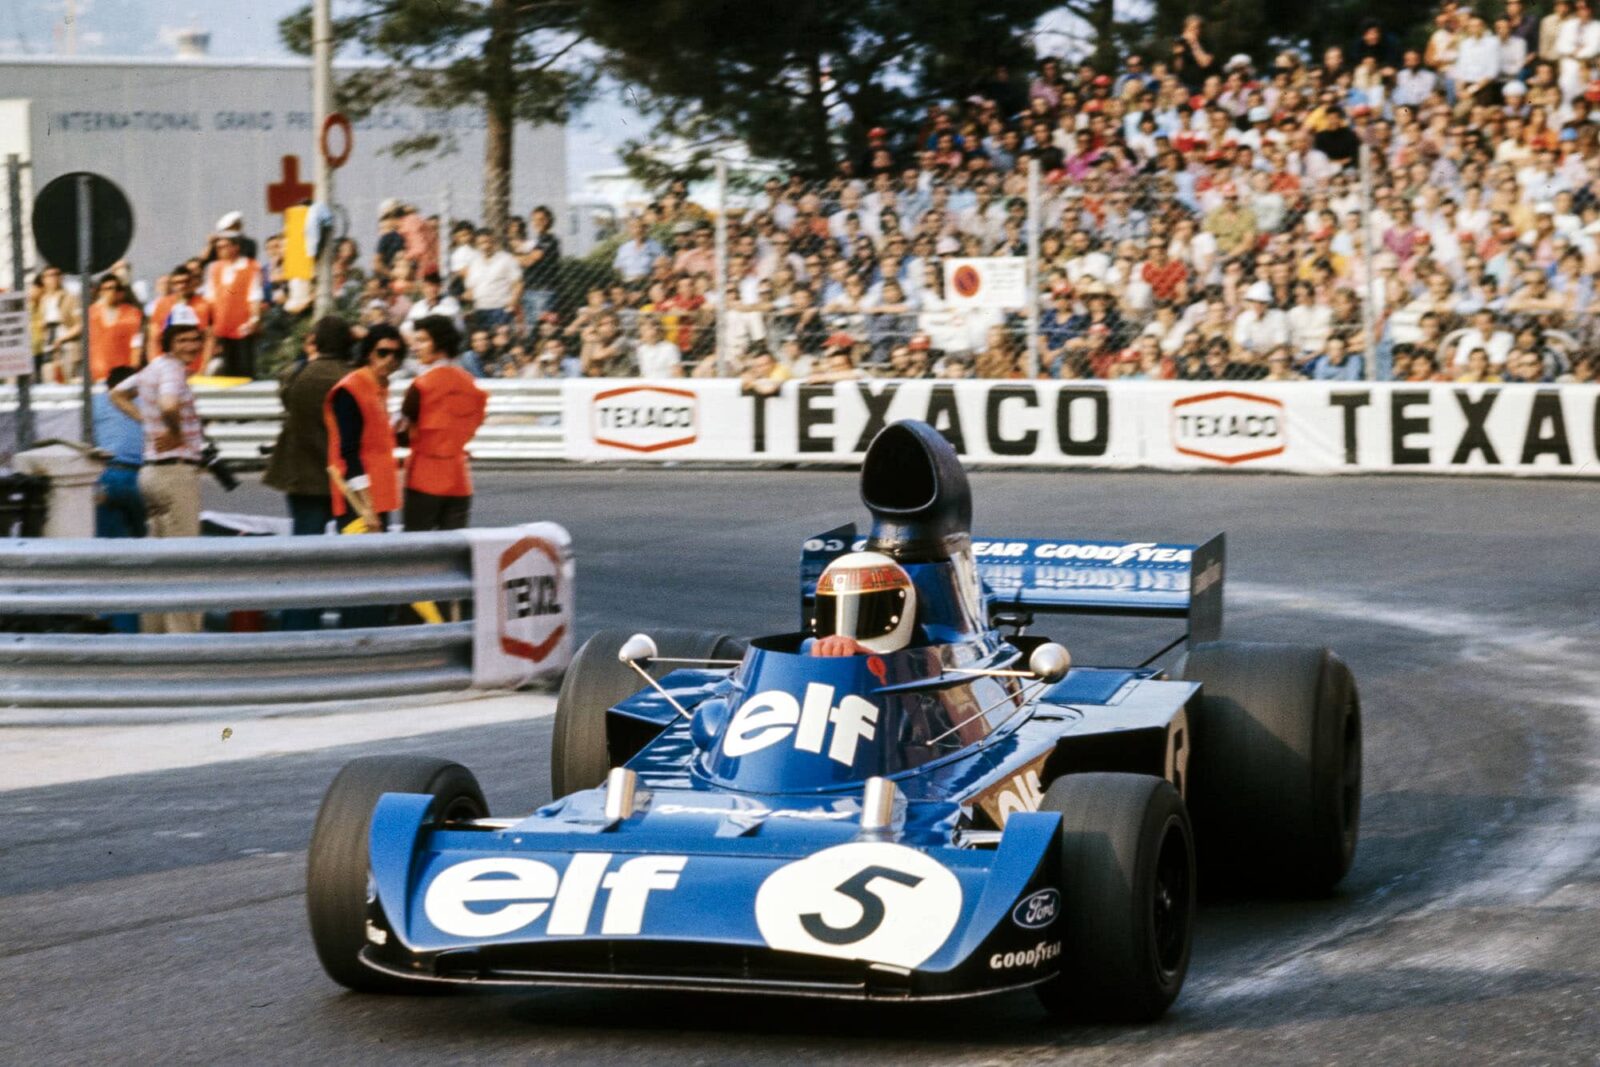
pixel 45 581
pixel 523 420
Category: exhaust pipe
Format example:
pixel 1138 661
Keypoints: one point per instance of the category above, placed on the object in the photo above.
pixel 913 483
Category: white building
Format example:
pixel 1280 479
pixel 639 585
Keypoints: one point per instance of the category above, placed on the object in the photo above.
pixel 191 139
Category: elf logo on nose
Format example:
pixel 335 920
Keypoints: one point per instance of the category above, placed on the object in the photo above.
pixel 768 718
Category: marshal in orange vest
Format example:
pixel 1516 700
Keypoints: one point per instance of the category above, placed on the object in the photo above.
pixel 450 410
pixel 377 441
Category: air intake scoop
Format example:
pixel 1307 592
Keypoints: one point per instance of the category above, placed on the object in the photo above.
pixel 913 483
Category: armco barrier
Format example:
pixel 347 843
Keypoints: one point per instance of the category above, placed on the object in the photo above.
pixel 519 580
pixel 523 421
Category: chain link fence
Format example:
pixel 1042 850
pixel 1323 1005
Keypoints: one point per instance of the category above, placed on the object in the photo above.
pixel 1225 247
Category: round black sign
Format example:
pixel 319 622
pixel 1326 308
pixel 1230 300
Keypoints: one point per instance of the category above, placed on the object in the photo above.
pixel 55 223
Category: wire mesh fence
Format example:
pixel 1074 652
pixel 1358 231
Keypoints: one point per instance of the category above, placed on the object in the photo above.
pixel 1137 233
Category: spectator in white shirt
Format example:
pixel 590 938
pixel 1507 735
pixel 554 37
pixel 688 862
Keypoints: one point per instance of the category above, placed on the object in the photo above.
pixel 1477 62
pixel 494 282
pixel 1260 327
pixel 1413 83
pixel 1513 49
pixel 658 357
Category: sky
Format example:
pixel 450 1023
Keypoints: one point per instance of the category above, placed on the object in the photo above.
pixel 245 29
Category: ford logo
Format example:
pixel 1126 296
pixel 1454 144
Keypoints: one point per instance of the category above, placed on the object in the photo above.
pixel 1037 909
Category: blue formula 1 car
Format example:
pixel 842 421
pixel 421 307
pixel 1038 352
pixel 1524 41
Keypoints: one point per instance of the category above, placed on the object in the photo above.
pixel 901 801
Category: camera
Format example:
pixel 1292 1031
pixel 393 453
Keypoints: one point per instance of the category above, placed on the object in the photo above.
pixel 211 459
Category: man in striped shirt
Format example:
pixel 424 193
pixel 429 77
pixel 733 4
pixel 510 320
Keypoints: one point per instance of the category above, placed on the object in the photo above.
pixel 169 480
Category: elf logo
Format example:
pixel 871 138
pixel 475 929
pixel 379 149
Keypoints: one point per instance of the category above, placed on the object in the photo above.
pixel 768 718
pixel 499 895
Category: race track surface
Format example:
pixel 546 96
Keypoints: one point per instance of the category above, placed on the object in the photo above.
pixel 159 917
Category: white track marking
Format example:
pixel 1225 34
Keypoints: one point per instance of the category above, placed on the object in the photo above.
pixel 34 756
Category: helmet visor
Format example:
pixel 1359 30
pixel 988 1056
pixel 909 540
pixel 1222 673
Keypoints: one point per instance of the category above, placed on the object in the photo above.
pixel 862 616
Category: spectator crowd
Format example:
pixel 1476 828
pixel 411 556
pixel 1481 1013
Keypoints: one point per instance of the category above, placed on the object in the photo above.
pixel 1414 210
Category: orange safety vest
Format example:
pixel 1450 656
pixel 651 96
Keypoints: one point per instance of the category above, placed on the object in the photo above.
pixel 450 411
pixel 377 441
pixel 111 343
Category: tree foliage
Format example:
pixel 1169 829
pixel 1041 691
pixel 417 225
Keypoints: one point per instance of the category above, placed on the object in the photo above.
pixel 804 80
pixel 1258 28
pixel 517 60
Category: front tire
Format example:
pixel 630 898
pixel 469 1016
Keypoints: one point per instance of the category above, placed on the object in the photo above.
pixel 580 750
pixel 338 878
pixel 1128 897
pixel 1275 775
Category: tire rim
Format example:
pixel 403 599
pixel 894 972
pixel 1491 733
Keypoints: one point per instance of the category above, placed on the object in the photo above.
pixel 1171 910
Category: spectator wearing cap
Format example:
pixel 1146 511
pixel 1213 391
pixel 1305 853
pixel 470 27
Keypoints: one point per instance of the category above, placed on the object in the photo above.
pixel 1260 327
pixel 910 361
pixel 838 361
pixel 183 288
pixel 169 476
pixel 234 289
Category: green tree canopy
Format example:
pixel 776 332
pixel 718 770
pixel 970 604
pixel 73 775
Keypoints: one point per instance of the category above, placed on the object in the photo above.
pixel 803 81
pixel 517 60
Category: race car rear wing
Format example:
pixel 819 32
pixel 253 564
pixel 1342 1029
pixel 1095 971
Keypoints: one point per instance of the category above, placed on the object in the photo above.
pixel 1129 578
pixel 1132 578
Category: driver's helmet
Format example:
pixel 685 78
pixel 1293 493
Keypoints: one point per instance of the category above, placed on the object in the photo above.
pixel 869 597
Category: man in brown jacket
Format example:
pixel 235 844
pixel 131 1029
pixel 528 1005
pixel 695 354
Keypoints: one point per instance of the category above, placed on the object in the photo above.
pixel 299 464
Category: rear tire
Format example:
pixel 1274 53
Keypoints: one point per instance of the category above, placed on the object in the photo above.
pixel 338 876
pixel 1275 774
pixel 580 755
pixel 1128 886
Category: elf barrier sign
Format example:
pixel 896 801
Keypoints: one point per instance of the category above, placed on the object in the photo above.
pixel 1306 427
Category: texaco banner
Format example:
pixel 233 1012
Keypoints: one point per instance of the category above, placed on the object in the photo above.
pixel 1307 427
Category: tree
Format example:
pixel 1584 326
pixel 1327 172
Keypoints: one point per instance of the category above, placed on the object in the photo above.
pixel 515 59
pixel 802 81
pixel 1258 28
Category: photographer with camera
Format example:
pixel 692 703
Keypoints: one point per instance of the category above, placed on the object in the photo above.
pixel 174 445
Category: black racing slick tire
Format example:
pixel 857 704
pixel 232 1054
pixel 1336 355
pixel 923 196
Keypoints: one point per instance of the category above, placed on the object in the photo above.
pixel 1275 770
pixel 1128 897
pixel 580 750
pixel 338 882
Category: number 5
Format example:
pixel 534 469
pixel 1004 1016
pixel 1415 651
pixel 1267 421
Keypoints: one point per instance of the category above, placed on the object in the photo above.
pixel 855 887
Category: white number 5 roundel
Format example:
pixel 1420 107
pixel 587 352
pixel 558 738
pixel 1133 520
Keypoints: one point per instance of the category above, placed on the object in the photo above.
pixel 862 901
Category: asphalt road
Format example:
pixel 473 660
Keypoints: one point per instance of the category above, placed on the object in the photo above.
pixel 160 918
